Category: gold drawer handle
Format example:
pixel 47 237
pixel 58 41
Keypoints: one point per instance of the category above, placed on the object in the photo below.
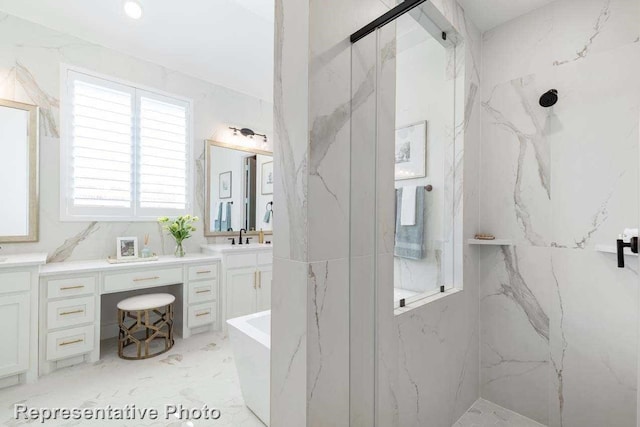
pixel 204 272
pixel 66 313
pixel 146 278
pixel 67 288
pixel 204 291
pixel 71 342
pixel 203 314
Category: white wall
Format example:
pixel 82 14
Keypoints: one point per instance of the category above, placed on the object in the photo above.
pixel 30 58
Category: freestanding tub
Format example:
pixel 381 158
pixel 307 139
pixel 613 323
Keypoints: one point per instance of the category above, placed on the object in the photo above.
pixel 251 342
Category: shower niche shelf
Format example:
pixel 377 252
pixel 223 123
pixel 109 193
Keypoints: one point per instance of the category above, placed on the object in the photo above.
pixel 494 242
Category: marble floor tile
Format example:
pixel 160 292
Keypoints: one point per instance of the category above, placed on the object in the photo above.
pixel 197 371
pixel 486 414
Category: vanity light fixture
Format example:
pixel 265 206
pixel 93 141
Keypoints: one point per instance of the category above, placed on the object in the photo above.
pixel 133 9
pixel 246 132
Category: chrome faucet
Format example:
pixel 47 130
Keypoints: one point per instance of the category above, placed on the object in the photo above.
pixel 241 230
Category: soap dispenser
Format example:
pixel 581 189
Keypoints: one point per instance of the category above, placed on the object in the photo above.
pixel 261 236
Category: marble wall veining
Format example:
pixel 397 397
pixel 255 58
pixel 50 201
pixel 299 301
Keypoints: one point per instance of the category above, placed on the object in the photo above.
pixel 559 319
pixel 312 115
pixel 329 103
pixel 30 65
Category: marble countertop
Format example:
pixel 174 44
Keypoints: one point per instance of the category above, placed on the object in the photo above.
pixel 228 248
pixel 104 265
pixel 22 260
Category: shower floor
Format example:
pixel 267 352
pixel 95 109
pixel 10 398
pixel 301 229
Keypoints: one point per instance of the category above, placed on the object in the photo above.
pixel 487 414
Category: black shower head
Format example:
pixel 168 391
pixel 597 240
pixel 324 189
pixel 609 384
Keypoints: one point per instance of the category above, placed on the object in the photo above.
pixel 549 99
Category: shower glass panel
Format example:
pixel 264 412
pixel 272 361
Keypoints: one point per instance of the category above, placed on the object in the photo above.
pixel 402 135
pixel 424 147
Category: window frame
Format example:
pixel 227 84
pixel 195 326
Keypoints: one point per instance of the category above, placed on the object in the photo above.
pixel 70 213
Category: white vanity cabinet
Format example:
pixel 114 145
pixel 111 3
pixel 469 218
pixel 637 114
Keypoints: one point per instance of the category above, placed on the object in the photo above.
pixel 247 273
pixel 69 320
pixel 265 273
pixel 19 318
pixel 14 335
pixel 72 296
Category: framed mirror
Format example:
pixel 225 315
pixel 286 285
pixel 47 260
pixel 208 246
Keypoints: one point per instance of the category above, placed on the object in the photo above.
pixel 18 172
pixel 239 190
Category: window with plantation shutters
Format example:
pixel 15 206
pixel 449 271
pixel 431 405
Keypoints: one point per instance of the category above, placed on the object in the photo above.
pixel 125 151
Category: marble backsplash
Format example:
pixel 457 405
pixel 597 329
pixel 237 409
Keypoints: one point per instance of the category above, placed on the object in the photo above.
pixel 30 60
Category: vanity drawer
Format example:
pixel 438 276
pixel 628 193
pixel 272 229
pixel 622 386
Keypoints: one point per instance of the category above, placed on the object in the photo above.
pixel 70 342
pixel 241 260
pixel 70 312
pixel 203 291
pixel 198 272
pixel 142 279
pixel 202 314
pixel 71 287
pixel 265 258
pixel 16 281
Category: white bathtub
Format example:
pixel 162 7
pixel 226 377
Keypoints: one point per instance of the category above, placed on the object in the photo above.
pixel 251 342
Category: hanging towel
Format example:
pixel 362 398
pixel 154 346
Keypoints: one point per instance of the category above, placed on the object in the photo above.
pixel 227 222
pixel 223 218
pixel 408 210
pixel 410 238
pixel 218 221
pixel 267 216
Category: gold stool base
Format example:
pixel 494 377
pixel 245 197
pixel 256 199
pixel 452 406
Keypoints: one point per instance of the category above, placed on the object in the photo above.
pixel 162 328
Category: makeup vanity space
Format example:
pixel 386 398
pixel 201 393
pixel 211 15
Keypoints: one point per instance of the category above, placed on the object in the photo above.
pixel 51 313
pixel 71 322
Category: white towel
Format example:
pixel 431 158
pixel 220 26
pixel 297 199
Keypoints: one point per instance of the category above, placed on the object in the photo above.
pixel 629 233
pixel 224 213
pixel 408 212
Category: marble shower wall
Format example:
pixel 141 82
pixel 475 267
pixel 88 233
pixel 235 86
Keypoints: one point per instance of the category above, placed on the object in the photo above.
pixel 30 59
pixel 558 319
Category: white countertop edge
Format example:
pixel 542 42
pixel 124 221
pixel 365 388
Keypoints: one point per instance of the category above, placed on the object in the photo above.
pixel 102 264
pixel 228 248
pixel 22 260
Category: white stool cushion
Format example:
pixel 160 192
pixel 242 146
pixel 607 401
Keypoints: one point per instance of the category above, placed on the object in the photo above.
pixel 146 302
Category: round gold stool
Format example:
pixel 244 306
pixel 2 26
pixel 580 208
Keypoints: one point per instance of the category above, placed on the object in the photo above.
pixel 150 316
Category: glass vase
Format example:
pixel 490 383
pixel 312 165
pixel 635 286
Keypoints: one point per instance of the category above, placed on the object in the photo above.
pixel 180 252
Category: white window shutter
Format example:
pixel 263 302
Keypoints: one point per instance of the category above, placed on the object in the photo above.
pixel 101 127
pixel 162 157
pixel 125 154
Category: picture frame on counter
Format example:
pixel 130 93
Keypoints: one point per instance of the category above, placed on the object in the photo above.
pixel 126 248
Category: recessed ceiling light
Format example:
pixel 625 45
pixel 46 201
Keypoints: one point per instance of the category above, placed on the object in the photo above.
pixel 133 9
